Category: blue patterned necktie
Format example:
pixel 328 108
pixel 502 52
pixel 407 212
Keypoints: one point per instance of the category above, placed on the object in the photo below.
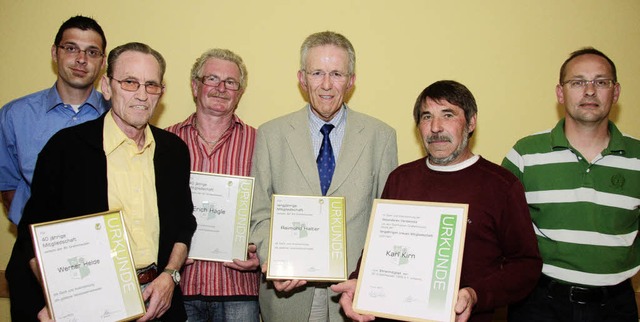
pixel 326 162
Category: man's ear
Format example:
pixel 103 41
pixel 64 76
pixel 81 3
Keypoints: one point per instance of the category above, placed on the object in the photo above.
pixel 302 80
pixel 194 88
pixel 54 53
pixel 105 87
pixel 616 92
pixel 352 80
pixel 559 94
pixel 472 123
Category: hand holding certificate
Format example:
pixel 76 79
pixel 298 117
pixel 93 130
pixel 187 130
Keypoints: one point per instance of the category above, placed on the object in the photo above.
pixel 412 260
pixel 307 238
pixel 222 207
pixel 87 268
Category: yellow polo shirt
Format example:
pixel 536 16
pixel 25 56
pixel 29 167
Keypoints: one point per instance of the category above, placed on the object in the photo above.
pixel 132 188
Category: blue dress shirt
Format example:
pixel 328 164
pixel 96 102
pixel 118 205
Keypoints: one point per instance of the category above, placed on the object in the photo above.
pixel 26 124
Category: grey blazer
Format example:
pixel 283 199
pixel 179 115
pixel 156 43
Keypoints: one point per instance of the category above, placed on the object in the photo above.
pixel 284 163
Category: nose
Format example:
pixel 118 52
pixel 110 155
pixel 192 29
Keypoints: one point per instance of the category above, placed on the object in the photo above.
pixel 590 88
pixel 221 87
pixel 436 125
pixel 326 82
pixel 141 94
pixel 81 57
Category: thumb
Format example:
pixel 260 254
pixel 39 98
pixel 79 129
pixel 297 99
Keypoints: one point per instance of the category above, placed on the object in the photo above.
pixel 339 288
pixel 461 305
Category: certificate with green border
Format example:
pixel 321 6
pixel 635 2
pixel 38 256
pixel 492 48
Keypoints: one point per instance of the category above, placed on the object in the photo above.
pixel 87 268
pixel 222 207
pixel 411 263
pixel 308 238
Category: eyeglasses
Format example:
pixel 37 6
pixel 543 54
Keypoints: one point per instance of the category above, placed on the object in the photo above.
pixel 130 85
pixel 74 50
pixel 335 77
pixel 582 83
pixel 213 80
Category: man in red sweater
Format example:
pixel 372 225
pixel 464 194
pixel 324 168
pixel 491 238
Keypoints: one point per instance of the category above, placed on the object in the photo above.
pixel 501 262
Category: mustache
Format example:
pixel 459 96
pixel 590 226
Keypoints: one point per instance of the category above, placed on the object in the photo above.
pixel 218 94
pixel 433 138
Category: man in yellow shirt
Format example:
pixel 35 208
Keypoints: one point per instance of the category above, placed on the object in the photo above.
pixel 116 161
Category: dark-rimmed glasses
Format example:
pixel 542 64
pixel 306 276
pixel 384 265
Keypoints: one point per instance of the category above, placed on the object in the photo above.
pixel 74 50
pixel 214 81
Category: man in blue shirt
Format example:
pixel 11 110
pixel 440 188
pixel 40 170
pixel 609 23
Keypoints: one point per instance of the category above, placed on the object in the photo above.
pixel 27 123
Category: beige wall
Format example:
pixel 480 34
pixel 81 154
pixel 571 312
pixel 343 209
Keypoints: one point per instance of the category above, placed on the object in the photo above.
pixel 507 52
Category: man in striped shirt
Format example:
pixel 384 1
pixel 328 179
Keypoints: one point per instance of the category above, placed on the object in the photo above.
pixel 219 142
pixel 582 182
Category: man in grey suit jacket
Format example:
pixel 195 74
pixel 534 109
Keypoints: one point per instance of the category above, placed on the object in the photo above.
pixel 364 150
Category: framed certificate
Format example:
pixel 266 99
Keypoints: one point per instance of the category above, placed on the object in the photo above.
pixel 87 268
pixel 308 238
pixel 411 263
pixel 222 207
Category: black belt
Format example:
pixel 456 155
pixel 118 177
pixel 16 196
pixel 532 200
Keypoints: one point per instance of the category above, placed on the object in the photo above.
pixel 579 293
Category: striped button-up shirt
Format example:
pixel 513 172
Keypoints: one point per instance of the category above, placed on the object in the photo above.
pixel 231 155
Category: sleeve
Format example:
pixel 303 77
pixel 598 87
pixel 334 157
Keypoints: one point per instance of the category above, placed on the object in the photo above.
pixel 514 162
pixel 389 161
pixel 261 208
pixel 9 167
pixel 385 195
pixel 356 272
pixel 521 264
pixel 187 222
pixel 43 204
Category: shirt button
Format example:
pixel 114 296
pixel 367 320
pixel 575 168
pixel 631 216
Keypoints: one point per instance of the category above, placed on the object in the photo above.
pixel 588 170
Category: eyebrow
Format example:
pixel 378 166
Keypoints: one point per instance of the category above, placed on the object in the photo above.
pixel 444 110
pixel 133 78
pixel 580 76
pixel 331 71
pixel 75 44
pixel 449 110
pixel 226 79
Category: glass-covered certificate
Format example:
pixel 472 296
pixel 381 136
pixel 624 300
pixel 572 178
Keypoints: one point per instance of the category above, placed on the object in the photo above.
pixel 308 238
pixel 87 268
pixel 412 259
pixel 222 207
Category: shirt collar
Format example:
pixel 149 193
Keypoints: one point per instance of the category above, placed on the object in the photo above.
pixel 453 168
pixel 189 122
pixel 616 143
pixel 114 137
pixel 95 100
pixel 337 120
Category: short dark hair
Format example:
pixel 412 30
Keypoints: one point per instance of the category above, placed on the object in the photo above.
pixel 137 47
pixel 450 91
pixel 82 23
pixel 587 51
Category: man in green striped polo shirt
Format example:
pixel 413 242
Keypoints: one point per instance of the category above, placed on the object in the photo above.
pixel 582 182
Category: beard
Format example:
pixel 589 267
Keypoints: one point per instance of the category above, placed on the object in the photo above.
pixel 454 155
